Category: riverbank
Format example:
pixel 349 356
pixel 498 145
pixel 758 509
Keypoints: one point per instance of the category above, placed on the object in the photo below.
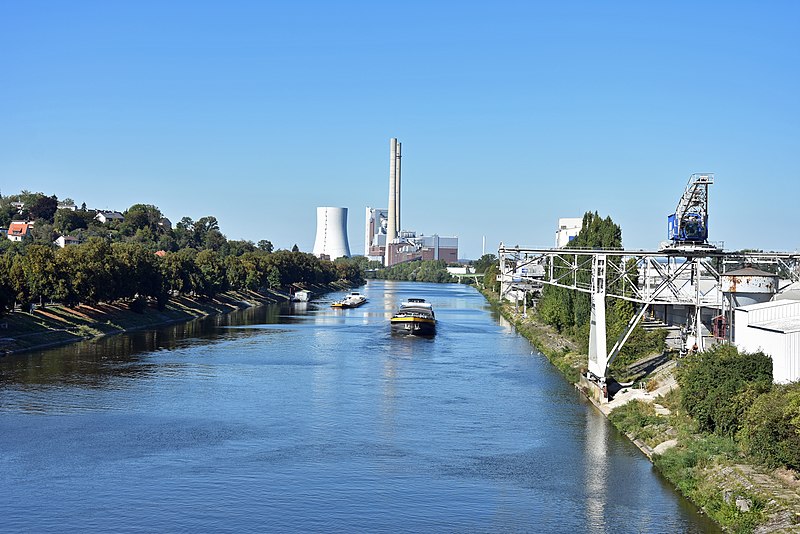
pixel 710 471
pixel 55 325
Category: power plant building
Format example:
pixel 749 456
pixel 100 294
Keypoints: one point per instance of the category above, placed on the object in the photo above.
pixel 392 244
pixel 377 221
pixel 331 241
pixel 410 247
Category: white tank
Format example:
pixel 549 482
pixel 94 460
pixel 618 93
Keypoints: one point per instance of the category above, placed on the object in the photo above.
pixel 331 238
pixel 748 286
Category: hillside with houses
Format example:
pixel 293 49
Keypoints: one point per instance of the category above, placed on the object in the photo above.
pixel 55 252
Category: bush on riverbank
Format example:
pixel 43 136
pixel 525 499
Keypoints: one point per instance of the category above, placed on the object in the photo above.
pixel 720 384
pixel 727 418
pixel 700 465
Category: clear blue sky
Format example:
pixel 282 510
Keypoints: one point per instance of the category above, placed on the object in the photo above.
pixel 511 114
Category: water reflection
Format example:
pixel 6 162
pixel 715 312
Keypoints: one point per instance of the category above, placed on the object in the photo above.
pixel 596 468
pixel 93 363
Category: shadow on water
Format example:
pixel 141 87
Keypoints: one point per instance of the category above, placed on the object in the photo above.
pixel 92 362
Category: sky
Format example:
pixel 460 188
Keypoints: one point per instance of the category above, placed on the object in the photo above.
pixel 511 114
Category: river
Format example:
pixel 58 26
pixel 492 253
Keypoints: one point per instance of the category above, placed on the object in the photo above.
pixel 302 418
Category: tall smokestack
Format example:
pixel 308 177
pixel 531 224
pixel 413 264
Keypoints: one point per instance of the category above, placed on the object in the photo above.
pixel 391 229
pixel 397 157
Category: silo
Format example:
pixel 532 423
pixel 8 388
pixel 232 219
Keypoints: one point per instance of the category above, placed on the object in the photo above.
pixel 748 286
pixel 331 238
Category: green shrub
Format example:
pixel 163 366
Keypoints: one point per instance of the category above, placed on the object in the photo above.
pixel 719 385
pixel 634 416
pixel 770 429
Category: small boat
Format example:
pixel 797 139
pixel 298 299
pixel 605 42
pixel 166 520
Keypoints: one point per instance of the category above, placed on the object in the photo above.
pixel 304 295
pixel 416 317
pixel 353 300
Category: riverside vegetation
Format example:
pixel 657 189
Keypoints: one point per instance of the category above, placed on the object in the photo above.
pixel 730 437
pixel 140 262
pixel 416 271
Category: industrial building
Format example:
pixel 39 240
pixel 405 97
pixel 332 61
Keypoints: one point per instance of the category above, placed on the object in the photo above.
pixel 331 241
pixel 410 247
pixel 375 235
pixel 392 244
pixel 774 328
pixel 568 229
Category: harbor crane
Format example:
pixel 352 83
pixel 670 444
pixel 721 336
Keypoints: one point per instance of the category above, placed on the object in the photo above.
pixel 687 228
pixel 670 276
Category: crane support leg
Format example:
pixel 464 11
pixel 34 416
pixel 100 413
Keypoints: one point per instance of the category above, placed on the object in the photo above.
pixel 598 351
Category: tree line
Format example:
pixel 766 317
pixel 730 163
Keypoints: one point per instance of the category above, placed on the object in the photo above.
pixel 141 258
pixel 417 271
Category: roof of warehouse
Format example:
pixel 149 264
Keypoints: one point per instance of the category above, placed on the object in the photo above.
pixel 770 304
pixel 784 326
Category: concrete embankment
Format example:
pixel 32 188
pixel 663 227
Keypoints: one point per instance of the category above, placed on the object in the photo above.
pixel 54 325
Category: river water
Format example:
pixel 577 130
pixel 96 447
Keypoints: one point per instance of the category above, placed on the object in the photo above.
pixel 308 419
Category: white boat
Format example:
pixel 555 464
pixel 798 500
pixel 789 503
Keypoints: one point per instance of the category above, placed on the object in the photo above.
pixel 353 300
pixel 304 295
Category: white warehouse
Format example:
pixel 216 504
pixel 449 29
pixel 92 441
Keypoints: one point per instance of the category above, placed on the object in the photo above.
pixel 774 328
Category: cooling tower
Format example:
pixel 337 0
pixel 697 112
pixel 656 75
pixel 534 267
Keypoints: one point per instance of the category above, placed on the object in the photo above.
pixel 331 238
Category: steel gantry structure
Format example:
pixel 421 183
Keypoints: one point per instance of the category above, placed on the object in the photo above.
pixel 688 276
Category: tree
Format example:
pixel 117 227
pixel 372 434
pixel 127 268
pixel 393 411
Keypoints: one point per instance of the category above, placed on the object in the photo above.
pixel 211 273
pixel 37 277
pixel 237 248
pixel 718 385
pixel 7 293
pixel 235 272
pixel 43 208
pixel 89 269
pixel 771 430
pixel 66 221
pixel 179 270
pixel 570 310
pixel 265 245
pixel 140 216
pixel 43 233
pixel 136 272
pixel 484 262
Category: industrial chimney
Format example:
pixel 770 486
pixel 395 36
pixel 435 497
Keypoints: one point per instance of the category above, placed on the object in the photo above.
pixel 393 226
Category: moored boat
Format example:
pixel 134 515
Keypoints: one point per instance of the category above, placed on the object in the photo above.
pixel 416 317
pixel 353 300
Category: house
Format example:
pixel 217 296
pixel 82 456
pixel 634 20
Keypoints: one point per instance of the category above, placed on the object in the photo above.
pixel 19 229
pixel 65 240
pixel 67 206
pixel 107 216
pixel 19 206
